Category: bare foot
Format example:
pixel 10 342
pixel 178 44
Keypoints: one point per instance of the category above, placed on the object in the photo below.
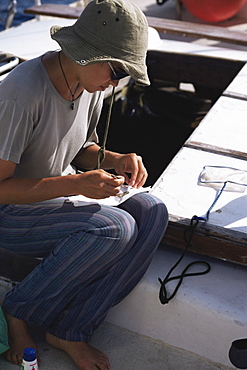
pixel 19 339
pixel 84 356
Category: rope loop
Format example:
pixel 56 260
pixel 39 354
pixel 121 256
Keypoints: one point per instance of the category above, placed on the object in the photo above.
pixel 188 235
pixel 189 232
pixel 163 296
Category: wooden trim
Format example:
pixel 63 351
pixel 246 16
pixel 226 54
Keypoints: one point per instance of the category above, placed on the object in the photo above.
pixel 55 10
pixel 215 149
pixel 162 25
pixel 222 34
pixel 209 240
pixel 235 95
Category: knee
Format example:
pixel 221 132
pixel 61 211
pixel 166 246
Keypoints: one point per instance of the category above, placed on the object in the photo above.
pixel 124 226
pixel 115 230
pixel 156 211
pixel 148 207
pixel 159 206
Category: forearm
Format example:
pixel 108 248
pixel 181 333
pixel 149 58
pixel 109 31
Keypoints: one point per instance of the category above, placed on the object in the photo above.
pixel 24 191
pixel 88 158
pixel 130 165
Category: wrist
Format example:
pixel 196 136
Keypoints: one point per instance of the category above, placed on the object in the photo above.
pixel 111 159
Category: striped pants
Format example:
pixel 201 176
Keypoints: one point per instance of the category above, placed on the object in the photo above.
pixel 93 256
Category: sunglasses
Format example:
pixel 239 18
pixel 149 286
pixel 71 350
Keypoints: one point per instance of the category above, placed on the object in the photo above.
pixel 117 75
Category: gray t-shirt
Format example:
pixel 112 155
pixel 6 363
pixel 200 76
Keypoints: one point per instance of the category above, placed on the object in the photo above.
pixel 39 130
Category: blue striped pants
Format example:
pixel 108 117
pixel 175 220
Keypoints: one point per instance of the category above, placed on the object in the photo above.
pixel 93 257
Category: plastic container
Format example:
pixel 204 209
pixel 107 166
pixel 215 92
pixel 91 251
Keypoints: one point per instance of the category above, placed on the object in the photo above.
pixel 29 361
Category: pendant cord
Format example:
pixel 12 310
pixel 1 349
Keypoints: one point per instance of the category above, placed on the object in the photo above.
pixel 72 95
pixel 101 152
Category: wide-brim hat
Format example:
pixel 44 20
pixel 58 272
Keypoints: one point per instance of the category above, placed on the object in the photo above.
pixel 108 30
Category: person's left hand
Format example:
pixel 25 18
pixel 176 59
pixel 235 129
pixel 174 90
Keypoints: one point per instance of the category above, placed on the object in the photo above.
pixel 131 164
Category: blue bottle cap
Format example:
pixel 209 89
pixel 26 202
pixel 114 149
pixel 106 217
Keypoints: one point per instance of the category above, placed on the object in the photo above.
pixel 29 354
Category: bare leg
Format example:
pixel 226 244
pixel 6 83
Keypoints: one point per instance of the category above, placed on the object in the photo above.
pixel 84 356
pixel 19 339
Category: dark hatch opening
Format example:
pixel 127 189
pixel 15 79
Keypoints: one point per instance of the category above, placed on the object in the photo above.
pixel 155 121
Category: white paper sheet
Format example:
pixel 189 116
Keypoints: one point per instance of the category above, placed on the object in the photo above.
pixel 125 193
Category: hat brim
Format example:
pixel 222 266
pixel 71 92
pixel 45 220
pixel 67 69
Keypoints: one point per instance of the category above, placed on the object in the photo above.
pixel 83 53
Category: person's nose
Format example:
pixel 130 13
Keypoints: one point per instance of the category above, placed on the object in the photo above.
pixel 114 83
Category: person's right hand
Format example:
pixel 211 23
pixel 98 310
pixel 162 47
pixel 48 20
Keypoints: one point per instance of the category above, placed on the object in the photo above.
pixel 98 184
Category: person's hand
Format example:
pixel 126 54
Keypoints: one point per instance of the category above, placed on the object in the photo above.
pixel 131 164
pixel 98 184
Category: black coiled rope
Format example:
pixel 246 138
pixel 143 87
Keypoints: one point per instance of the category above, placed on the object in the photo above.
pixel 188 235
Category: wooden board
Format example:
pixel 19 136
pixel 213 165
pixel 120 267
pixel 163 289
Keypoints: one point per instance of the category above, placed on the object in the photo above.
pixel 55 10
pixel 160 24
pixel 224 129
pixel 225 234
pixel 238 87
pixel 198 30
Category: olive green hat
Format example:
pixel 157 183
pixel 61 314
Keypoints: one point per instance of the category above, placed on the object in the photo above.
pixel 108 30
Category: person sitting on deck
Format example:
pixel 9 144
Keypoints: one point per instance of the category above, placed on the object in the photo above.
pixel 92 255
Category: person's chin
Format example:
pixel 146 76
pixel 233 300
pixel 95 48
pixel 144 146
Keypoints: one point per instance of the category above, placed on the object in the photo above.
pixel 93 90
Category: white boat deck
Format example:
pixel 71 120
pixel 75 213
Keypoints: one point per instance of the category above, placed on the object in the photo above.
pixel 193 332
pixel 184 197
pixel 220 140
pixel 238 87
pixel 225 126
pixel 31 38
pixel 209 311
pixel 22 40
pixel 205 316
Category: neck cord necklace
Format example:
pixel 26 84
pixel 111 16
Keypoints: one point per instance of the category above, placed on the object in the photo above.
pixel 72 95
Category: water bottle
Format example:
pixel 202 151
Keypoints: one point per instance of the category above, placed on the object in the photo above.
pixel 29 360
